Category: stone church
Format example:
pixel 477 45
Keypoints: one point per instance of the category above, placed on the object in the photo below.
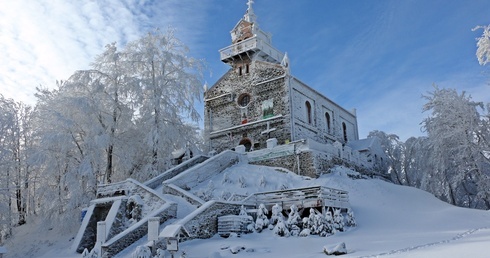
pixel 259 99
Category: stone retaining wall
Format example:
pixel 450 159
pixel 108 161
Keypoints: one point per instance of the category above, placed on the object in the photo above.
pixel 137 231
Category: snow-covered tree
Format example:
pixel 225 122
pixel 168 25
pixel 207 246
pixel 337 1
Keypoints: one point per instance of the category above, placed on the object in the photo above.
pixel 262 221
pixel 394 151
pixel 293 217
pixel 483 45
pixel 338 220
pixel 169 82
pixel 454 131
pixel 281 228
pixel 351 220
pixel 276 214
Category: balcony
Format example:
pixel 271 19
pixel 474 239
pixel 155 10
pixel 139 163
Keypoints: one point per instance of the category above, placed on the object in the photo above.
pixel 252 45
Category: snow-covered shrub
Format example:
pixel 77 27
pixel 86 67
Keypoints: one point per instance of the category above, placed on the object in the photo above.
pixel 310 221
pixel 242 182
pixel 262 220
pixel 294 218
pixel 142 252
pixel 243 212
pixel 85 253
pixel 160 253
pixel 226 179
pixel 225 195
pixel 305 232
pixel 338 220
pixel 262 181
pixel 351 220
pixel 294 230
pixel 276 214
pixel 207 193
pixel 281 229
pixel 134 208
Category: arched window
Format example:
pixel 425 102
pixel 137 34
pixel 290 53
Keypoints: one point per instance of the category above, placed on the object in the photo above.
pixel 344 129
pixel 327 120
pixel 308 112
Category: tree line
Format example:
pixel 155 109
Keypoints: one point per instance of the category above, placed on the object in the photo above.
pixel 121 118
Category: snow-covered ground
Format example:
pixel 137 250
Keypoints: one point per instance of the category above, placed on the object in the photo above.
pixel 393 221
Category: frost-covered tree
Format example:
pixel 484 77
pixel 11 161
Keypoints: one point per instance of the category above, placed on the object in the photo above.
pixel 169 83
pixel 394 151
pixel 16 175
pixel 454 131
pixel 483 45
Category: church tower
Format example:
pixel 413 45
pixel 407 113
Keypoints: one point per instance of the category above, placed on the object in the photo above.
pixel 258 102
pixel 249 42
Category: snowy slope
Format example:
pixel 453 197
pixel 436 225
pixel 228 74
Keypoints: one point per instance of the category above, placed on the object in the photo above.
pixel 395 221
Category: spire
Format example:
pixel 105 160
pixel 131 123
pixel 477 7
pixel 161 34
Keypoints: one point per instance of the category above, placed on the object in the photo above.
pixel 250 15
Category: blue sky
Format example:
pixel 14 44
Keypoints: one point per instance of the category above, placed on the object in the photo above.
pixel 376 56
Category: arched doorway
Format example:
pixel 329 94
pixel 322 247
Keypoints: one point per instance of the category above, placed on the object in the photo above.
pixel 247 143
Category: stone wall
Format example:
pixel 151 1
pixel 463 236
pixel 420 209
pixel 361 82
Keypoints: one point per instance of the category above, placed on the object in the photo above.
pixel 136 232
pixel 306 163
pixel 204 222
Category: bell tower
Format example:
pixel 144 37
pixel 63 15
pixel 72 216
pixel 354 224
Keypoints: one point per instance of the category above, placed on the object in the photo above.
pixel 249 42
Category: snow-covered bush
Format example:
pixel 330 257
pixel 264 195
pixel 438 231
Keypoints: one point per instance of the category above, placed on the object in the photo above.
pixel 351 220
pixel 294 230
pixel 242 182
pixel 207 193
pixel 305 232
pixel 226 179
pixel 338 220
pixel 142 252
pixel 160 253
pixel 276 214
pixel 225 195
pixel 294 218
pixel 281 229
pixel 262 181
pixel 262 220
pixel 134 208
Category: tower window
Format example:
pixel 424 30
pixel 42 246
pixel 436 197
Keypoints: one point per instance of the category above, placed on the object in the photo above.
pixel 247 68
pixel 240 71
pixel 308 112
pixel 344 129
pixel 327 120
pixel 243 99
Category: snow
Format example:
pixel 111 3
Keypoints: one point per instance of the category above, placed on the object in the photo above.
pixel 392 220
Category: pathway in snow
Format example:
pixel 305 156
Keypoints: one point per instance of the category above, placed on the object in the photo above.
pixel 412 248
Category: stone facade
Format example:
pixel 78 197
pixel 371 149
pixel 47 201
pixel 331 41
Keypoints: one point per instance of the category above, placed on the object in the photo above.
pixel 231 120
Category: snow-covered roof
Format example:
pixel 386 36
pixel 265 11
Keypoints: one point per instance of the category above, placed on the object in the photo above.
pixel 362 144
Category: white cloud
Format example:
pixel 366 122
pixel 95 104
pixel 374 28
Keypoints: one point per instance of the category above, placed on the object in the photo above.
pixel 45 41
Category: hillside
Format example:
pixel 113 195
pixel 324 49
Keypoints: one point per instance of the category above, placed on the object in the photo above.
pixel 398 220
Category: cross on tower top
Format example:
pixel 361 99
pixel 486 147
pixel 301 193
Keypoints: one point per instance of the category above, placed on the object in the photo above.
pixel 250 15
